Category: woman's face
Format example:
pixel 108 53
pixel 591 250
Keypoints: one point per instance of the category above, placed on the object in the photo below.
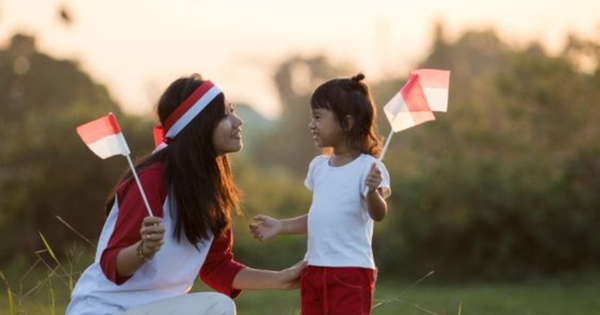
pixel 227 136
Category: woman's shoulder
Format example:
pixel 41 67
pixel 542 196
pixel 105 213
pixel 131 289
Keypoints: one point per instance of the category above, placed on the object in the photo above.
pixel 150 176
pixel 154 167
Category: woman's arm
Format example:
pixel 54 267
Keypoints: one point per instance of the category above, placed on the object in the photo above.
pixel 131 258
pixel 257 279
pixel 222 273
pixel 119 259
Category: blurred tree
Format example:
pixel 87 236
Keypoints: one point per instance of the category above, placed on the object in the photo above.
pixel 496 187
pixel 45 170
pixel 291 145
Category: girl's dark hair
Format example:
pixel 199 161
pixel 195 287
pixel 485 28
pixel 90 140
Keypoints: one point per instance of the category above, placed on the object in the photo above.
pixel 351 97
pixel 200 184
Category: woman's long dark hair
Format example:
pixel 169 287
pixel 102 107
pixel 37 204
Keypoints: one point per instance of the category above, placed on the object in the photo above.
pixel 200 184
pixel 351 97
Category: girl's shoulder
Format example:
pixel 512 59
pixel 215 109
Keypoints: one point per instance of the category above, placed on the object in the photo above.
pixel 319 160
pixel 366 160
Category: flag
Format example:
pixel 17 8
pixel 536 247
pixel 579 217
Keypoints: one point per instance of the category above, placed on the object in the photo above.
pixel 408 107
pixel 103 136
pixel 435 84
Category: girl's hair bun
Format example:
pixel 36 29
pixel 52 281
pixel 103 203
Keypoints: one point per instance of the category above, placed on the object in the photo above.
pixel 359 77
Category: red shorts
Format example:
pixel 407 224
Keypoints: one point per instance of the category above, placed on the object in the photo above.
pixel 337 290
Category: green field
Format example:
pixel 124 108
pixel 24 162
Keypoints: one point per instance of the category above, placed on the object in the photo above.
pixel 580 296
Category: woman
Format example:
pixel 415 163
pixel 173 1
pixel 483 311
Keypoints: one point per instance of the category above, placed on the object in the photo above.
pixel 147 264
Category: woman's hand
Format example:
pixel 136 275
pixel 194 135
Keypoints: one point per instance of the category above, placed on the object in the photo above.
pixel 290 277
pixel 265 228
pixel 152 234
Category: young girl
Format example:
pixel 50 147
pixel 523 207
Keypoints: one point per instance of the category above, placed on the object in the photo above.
pixel 147 264
pixel 340 276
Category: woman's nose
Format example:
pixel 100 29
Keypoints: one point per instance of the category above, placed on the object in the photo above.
pixel 238 121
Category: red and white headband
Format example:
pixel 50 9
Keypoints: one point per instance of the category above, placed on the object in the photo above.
pixel 185 113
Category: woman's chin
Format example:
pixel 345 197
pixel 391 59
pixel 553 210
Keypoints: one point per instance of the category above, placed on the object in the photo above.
pixel 231 149
pixel 236 148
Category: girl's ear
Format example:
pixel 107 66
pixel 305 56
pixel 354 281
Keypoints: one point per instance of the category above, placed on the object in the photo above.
pixel 349 123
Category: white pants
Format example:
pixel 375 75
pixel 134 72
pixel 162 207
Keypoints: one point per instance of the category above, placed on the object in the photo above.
pixel 201 303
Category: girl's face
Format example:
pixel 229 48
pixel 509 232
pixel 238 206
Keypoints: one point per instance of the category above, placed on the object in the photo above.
pixel 325 128
pixel 227 136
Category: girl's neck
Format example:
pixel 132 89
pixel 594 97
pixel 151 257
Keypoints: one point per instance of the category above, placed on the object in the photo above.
pixel 342 155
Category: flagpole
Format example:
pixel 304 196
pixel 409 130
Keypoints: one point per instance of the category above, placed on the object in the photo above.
pixel 385 147
pixel 137 180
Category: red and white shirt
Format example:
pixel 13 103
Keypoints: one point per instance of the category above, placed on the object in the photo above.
pixel 170 273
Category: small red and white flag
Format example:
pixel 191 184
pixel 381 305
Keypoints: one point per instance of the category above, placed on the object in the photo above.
pixel 409 107
pixel 103 136
pixel 435 84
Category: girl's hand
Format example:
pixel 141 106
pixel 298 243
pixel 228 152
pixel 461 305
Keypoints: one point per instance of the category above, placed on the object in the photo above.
pixel 290 277
pixel 373 178
pixel 265 228
pixel 152 234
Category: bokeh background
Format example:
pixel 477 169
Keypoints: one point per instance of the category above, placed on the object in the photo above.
pixel 499 197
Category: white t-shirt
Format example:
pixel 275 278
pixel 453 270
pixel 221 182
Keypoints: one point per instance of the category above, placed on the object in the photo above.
pixel 340 229
pixel 172 271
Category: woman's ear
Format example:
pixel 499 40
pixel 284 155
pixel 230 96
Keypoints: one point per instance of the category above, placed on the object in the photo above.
pixel 349 123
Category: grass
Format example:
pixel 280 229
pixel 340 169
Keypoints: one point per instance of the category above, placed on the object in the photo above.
pixel 44 288
pixel 542 297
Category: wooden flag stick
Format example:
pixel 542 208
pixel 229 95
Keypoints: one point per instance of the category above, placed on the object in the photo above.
pixel 385 147
pixel 139 184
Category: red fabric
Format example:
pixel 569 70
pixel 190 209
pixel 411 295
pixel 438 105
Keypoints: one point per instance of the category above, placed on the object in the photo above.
pixel 132 211
pixel 187 104
pixel 337 291
pixel 98 129
pixel 219 268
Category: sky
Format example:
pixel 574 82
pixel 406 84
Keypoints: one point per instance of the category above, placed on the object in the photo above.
pixel 137 48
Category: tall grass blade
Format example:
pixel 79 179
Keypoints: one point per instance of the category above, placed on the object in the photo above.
pixel 52 302
pixel 11 298
pixel 48 248
pixel 75 231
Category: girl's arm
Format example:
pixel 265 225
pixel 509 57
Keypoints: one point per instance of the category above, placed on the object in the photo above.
pixel 376 205
pixel 267 227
